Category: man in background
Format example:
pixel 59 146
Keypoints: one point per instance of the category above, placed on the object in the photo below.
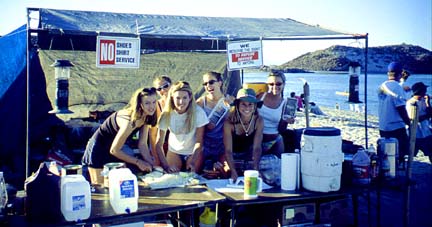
pixel 424 110
pixel 392 114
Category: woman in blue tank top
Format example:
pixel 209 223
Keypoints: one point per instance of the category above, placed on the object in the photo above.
pixel 216 107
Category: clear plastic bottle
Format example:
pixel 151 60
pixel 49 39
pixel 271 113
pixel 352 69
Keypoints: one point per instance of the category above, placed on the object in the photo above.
pixel 3 193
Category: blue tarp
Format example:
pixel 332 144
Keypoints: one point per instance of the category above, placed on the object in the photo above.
pixel 13 57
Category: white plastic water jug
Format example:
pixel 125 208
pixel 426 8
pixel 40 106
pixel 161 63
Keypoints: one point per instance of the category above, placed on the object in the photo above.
pixel 361 163
pixel 75 197
pixel 123 190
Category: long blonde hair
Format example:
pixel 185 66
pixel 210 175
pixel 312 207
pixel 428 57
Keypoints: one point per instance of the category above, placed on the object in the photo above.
pixel 134 106
pixel 170 107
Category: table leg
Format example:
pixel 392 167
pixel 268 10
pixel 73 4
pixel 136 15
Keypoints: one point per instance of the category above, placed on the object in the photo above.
pixel 354 197
pixel 369 208
pixel 232 219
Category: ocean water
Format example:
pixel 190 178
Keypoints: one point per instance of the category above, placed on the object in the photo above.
pixel 323 87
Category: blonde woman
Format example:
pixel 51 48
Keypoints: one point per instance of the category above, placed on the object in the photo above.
pixel 186 121
pixel 106 143
pixel 162 85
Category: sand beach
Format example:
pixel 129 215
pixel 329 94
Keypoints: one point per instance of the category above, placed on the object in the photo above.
pixel 393 194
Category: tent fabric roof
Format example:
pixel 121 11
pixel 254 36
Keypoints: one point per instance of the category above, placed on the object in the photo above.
pixel 193 27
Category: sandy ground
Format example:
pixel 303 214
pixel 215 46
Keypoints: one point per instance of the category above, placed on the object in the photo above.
pixel 393 193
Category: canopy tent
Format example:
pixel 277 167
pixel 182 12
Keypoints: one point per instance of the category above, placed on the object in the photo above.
pixel 54 34
pixel 165 32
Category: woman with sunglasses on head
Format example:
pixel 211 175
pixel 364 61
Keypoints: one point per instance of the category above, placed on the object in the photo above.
pixel 216 107
pixel 162 85
pixel 271 112
pixel 186 121
pixel 106 144
pixel 243 133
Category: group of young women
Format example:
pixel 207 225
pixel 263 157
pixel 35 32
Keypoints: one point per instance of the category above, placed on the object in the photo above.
pixel 215 132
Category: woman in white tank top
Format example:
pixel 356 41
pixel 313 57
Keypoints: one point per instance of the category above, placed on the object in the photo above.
pixel 271 112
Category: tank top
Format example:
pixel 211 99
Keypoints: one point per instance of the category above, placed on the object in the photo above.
pixel 271 117
pixel 213 138
pixel 243 143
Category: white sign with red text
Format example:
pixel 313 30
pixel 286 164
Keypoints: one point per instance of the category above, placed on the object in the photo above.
pixel 117 52
pixel 244 54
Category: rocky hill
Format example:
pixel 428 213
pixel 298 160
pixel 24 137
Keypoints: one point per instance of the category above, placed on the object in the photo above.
pixel 337 58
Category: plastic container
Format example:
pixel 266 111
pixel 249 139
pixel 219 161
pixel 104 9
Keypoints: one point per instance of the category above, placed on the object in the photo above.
pixel 107 168
pixel 321 159
pixel 123 190
pixel 325 140
pixel 3 193
pixel 75 203
pixel 361 163
pixel 258 87
pixel 388 155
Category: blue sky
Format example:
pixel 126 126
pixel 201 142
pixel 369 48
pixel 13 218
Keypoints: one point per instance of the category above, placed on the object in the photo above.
pixel 388 22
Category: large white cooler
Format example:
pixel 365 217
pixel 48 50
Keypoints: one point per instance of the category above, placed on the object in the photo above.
pixel 321 159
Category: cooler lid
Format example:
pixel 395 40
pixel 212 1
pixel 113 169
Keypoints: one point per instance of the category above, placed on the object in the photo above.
pixel 322 131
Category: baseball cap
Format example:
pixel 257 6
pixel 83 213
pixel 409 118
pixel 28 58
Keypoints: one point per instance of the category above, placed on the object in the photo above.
pixel 394 67
pixel 419 88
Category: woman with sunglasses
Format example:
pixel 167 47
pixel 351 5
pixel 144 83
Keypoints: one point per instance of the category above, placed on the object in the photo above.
pixel 106 144
pixel 186 121
pixel 162 85
pixel 216 107
pixel 271 112
pixel 243 133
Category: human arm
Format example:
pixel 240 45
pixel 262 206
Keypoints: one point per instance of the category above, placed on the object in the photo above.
pixel 404 114
pixel 125 130
pixel 153 145
pixel 160 139
pixel 227 139
pixel 257 142
pixel 143 145
pixel 197 156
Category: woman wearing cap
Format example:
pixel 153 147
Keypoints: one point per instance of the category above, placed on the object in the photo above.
pixel 216 107
pixel 243 132
pixel 162 85
pixel 271 112
pixel 185 121
pixel 106 144
pixel 424 109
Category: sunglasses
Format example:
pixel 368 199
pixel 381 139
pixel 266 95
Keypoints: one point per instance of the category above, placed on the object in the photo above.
pixel 163 86
pixel 273 84
pixel 210 82
pixel 149 90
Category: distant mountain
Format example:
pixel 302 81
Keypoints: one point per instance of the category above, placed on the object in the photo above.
pixel 337 58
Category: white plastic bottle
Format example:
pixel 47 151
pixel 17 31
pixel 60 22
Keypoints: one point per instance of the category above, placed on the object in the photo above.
pixel 3 193
pixel 123 191
pixel 361 162
pixel 75 197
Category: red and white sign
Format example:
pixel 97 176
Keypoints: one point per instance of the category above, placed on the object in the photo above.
pixel 244 54
pixel 117 52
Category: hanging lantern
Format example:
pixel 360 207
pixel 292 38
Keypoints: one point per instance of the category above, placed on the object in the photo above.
pixel 62 75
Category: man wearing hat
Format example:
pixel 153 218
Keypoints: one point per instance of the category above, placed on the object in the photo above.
pixel 392 114
pixel 424 109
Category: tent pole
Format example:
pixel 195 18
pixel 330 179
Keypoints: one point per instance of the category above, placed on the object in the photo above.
pixel 365 90
pixel 413 132
pixel 27 96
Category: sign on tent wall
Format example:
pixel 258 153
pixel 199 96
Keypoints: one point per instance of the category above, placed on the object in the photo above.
pixel 117 52
pixel 244 54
